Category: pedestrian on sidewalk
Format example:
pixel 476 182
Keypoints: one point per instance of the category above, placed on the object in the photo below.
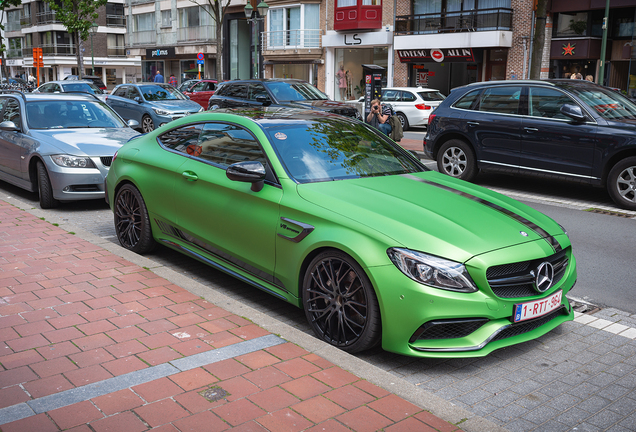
pixel 172 81
pixel 379 116
pixel 158 77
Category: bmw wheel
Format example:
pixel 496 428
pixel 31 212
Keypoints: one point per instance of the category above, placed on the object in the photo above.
pixel 457 159
pixel 403 120
pixel 621 183
pixel 132 223
pixel 340 303
pixel 45 190
pixel 147 125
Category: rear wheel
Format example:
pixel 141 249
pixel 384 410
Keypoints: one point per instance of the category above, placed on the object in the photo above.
pixel 457 159
pixel 45 190
pixel 340 303
pixel 621 183
pixel 147 125
pixel 403 120
pixel 132 223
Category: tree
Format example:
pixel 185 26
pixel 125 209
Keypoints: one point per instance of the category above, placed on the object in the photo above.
pixel 217 12
pixel 4 4
pixel 77 16
pixel 538 43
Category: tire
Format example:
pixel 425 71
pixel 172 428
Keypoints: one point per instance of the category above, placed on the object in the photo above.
pixel 457 159
pixel 340 303
pixel 132 223
pixel 147 125
pixel 621 183
pixel 45 190
pixel 403 120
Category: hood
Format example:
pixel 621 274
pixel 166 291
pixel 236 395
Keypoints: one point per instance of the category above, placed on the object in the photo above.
pixel 177 105
pixel 322 105
pixel 434 213
pixel 628 123
pixel 85 141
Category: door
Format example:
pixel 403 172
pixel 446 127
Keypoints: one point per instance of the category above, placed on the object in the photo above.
pixel 226 217
pixel 495 126
pixel 11 142
pixel 117 101
pixel 201 93
pixel 134 109
pixel 551 141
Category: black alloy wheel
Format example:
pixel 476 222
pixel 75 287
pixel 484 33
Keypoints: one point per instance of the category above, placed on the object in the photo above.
pixel 340 303
pixel 132 223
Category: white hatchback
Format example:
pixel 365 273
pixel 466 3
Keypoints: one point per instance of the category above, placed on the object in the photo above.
pixel 412 105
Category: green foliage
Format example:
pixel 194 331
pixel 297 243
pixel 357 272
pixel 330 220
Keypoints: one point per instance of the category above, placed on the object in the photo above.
pixel 77 15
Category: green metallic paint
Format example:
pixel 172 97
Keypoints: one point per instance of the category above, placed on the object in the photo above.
pixel 361 217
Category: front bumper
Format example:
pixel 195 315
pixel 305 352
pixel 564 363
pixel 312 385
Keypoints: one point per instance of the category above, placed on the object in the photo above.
pixel 407 305
pixel 73 184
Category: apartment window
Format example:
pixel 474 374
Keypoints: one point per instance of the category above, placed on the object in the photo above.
pixel 26 10
pixel 294 26
pixel 144 22
pixel 114 9
pixel 13 20
pixel 193 17
pixel 572 24
pixel 116 44
pixel 166 18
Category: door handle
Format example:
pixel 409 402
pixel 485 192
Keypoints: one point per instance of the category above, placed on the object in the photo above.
pixel 531 129
pixel 190 176
pixel 473 123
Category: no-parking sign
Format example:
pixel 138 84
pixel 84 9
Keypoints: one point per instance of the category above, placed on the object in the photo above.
pixel 200 56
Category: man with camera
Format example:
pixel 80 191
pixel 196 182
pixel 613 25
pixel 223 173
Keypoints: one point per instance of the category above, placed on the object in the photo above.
pixel 379 116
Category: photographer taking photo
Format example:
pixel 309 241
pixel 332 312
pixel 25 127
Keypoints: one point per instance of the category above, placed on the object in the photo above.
pixel 379 116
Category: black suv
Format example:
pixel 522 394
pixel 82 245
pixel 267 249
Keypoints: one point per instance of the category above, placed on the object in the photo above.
pixel 290 93
pixel 567 129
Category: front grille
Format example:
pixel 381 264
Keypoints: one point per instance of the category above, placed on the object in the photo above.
pixel 516 280
pixel 106 160
pixel 528 326
pixel 447 329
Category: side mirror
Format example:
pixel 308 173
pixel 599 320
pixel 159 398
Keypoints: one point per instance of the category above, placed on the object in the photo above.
pixel 248 172
pixel 133 123
pixel 263 100
pixel 137 99
pixel 574 112
pixel 9 126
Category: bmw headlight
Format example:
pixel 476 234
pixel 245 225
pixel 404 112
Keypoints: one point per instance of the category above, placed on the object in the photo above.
pixel 68 161
pixel 161 112
pixel 432 271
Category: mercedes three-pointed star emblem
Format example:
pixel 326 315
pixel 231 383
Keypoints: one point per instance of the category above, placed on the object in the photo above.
pixel 544 276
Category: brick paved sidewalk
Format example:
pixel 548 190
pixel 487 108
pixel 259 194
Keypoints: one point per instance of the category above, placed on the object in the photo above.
pixel 92 342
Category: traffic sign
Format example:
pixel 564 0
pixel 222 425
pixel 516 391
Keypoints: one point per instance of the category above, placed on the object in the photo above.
pixel 200 56
pixel 200 61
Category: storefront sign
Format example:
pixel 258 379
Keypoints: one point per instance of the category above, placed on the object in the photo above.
pixel 160 53
pixel 568 49
pixel 450 55
pixel 575 49
pixel 347 40
pixel 15 62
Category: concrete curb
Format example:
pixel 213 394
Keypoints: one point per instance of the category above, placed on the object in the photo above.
pixel 443 409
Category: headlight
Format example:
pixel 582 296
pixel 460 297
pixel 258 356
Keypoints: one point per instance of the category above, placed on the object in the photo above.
pixel 161 112
pixel 68 161
pixel 432 271
pixel 565 231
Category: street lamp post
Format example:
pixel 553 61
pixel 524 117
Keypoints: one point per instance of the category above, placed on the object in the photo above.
pixel 260 16
pixel 92 30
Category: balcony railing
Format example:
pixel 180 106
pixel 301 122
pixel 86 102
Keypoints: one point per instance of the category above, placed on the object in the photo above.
pixel 46 18
pixel 146 37
pixel 206 33
pixel 12 26
pixel 27 52
pixel 141 1
pixel 117 51
pixel 116 20
pixel 59 49
pixel 25 21
pixel 14 53
pixel 449 22
pixel 291 39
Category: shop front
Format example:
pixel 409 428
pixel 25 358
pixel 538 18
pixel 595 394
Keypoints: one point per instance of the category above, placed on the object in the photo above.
pixel 442 69
pixel 345 55
pixel 168 62
pixel 574 56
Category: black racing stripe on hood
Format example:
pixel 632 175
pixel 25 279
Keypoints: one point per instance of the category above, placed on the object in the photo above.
pixel 531 225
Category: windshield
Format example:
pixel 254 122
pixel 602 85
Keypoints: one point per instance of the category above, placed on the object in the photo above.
pixel 284 91
pixel 155 92
pixel 82 87
pixel 431 96
pixel 67 114
pixel 335 149
pixel 609 104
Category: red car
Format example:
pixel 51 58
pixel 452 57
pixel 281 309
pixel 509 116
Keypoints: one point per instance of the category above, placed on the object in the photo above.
pixel 200 91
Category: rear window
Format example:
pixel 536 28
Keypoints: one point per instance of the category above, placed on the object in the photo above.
pixel 431 96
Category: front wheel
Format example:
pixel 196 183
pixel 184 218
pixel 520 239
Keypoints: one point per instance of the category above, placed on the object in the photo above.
pixel 621 183
pixel 340 303
pixel 457 159
pixel 45 190
pixel 147 125
pixel 132 223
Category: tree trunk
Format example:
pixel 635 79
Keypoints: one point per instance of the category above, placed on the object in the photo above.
pixel 538 43
pixel 4 68
pixel 78 55
pixel 219 51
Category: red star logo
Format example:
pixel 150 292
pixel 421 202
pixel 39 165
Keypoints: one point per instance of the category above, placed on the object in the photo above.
pixel 569 49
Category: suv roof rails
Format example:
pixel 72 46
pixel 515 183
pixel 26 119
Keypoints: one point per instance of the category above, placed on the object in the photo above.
pixel 14 91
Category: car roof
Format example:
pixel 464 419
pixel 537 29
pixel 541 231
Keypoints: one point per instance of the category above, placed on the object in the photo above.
pixel 35 97
pixel 265 80
pixel 413 89
pixel 66 82
pixel 268 114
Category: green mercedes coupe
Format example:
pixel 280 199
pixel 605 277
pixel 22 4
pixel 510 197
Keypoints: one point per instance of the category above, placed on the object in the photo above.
pixel 328 214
